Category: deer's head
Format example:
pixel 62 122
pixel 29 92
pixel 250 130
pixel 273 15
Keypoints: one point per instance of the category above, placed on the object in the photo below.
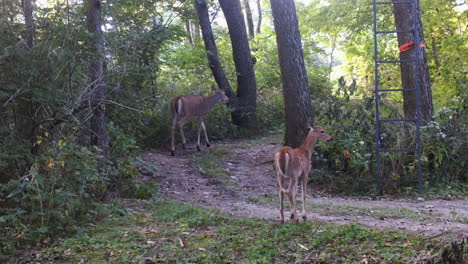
pixel 319 132
pixel 220 94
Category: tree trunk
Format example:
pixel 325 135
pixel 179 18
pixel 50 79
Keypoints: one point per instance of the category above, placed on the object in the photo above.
pixel 98 92
pixel 196 31
pixel 404 21
pixel 248 15
pixel 26 109
pixel 259 23
pixel 28 18
pixel 189 32
pixel 212 51
pixel 244 115
pixel 293 72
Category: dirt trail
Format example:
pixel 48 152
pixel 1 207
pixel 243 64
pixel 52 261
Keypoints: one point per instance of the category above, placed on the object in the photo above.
pixel 250 191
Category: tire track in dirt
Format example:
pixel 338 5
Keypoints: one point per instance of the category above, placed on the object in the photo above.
pixel 252 179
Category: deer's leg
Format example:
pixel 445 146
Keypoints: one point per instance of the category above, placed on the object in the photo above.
pixel 174 123
pixel 292 196
pixel 206 136
pixel 304 190
pixel 200 123
pixel 181 130
pixel 181 124
pixel 281 195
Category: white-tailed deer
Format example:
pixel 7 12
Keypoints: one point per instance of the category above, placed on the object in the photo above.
pixel 295 164
pixel 188 107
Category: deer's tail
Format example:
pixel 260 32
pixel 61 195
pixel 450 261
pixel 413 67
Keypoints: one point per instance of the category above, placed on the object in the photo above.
pixel 282 162
pixel 177 106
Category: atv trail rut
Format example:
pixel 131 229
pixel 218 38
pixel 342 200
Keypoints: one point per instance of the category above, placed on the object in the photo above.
pixel 250 191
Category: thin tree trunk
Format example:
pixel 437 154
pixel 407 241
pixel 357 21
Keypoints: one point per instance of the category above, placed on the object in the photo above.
pixel 212 51
pixel 248 15
pixel 330 67
pixel 435 52
pixel 196 31
pixel 28 18
pixel 259 23
pixel 189 32
pixel 27 108
pixel 293 72
pixel 404 21
pixel 244 116
pixel 98 92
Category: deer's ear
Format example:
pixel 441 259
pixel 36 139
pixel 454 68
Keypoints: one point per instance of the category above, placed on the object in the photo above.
pixel 311 122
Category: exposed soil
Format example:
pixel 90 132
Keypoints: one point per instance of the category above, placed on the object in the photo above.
pixel 250 191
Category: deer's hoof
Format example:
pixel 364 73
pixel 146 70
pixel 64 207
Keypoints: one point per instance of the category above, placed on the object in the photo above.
pixel 293 216
pixel 172 153
pixel 198 148
pixel 208 145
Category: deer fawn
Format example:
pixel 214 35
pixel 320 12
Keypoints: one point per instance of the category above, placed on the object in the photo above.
pixel 188 107
pixel 295 164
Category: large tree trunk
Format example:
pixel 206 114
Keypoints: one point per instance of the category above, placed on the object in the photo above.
pixel 244 115
pixel 259 23
pixel 404 21
pixel 212 51
pixel 28 18
pixel 98 91
pixel 293 72
pixel 248 16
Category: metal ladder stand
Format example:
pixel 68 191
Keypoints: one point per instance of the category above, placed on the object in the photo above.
pixel 416 89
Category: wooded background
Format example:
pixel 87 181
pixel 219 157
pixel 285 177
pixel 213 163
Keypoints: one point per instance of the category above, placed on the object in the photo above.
pixel 85 87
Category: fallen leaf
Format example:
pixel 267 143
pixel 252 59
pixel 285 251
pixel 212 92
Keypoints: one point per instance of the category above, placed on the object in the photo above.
pixel 302 246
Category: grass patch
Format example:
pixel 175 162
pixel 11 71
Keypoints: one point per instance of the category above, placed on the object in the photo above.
pixel 170 232
pixel 211 162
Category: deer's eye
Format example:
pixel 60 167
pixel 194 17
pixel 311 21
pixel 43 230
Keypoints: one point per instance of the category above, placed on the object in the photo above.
pixel 322 132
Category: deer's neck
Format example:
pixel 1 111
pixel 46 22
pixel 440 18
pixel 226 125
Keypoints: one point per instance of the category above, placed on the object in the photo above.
pixel 309 144
pixel 211 101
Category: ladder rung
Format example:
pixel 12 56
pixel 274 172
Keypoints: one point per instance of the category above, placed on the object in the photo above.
pixel 399 2
pixel 398 150
pixel 403 181
pixel 396 90
pixel 395 61
pixel 394 31
pixel 397 120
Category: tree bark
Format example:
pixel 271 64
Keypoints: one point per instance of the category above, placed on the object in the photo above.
pixel 98 91
pixel 248 15
pixel 28 18
pixel 244 115
pixel 189 32
pixel 293 72
pixel 259 23
pixel 404 21
pixel 212 51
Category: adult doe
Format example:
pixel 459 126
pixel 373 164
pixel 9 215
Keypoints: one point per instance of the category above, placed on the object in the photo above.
pixel 189 107
pixel 295 164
